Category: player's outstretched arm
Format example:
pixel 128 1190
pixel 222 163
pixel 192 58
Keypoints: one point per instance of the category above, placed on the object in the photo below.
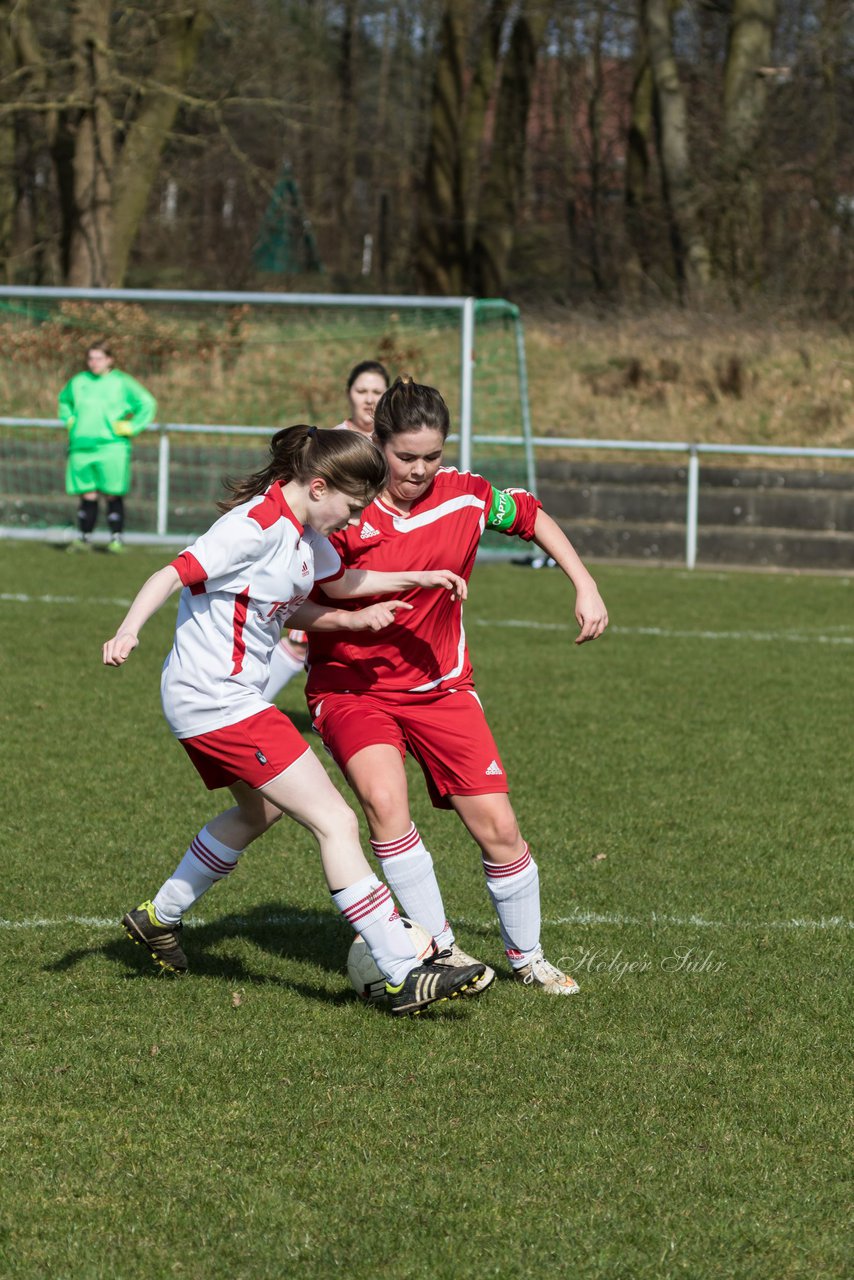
pixel 152 594
pixel 365 582
pixel 318 617
pixel 590 612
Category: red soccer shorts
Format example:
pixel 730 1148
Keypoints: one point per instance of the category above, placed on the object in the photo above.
pixel 253 751
pixel 446 733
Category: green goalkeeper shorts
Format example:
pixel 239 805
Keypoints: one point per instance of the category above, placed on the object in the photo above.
pixel 105 470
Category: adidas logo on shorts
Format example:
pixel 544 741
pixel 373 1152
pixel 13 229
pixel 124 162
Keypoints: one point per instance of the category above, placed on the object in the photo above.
pixel 494 770
pixel 368 531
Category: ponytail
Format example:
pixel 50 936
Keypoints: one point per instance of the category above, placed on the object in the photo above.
pixel 344 459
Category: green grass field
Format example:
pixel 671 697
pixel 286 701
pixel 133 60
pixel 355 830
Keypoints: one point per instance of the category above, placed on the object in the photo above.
pixel 685 785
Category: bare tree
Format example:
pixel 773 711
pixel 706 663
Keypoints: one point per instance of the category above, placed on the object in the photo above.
pixel 503 187
pixel 7 136
pixel 177 36
pixel 638 144
pixel 691 256
pixel 439 247
pixel 91 126
pixel 739 184
pixel 103 128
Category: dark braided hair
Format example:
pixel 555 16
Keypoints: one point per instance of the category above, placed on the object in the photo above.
pixel 346 460
pixel 409 406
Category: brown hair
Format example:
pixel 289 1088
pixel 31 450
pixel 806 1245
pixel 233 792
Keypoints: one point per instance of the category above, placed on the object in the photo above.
pixel 101 346
pixel 367 366
pixel 409 406
pixel 346 460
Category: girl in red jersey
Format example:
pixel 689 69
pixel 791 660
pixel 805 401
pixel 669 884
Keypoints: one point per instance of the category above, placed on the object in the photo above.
pixel 375 697
pixel 241 580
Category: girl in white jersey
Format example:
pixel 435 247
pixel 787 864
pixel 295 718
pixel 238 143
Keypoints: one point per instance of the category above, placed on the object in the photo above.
pixel 241 580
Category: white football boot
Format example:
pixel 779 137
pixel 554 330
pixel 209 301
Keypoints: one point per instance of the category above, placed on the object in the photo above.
pixel 542 975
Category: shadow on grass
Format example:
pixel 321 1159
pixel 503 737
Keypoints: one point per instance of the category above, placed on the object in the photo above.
pixel 280 929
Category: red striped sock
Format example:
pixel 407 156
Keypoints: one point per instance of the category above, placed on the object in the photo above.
pixel 206 861
pixel 514 888
pixel 408 867
pixel 369 908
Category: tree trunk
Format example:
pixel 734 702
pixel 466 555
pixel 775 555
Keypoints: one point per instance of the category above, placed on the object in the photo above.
pixel 379 222
pixel 92 128
pixel 637 164
pixel 502 190
pixel 346 140
pixel 691 256
pixel 831 55
pixel 136 169
pixel 477 102
pixel 739 186
pixel 30 190
pixel 594 125
pixel 8 184
pixel 439 248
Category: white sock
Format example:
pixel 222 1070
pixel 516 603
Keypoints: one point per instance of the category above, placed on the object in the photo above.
pixel 284 665
pixel 206 861
pixel 369 908
pixel 408 868
pixel 514 888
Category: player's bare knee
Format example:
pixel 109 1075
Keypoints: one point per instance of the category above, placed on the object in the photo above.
pixel 500 836
pixel 338 823
pixel 381 803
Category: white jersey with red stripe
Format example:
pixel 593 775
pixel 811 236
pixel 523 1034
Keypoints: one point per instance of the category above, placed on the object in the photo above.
pixel 425 647
pixel 242 580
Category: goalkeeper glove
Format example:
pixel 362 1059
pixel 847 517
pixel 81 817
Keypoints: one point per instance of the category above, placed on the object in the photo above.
pixel 123 428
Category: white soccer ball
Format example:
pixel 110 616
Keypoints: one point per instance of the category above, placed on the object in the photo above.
pixel 366 978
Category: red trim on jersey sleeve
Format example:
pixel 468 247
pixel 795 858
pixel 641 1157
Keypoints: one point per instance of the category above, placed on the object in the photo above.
pixel 527 507
pixel 273 507
pixel 238 652
pixel 190 572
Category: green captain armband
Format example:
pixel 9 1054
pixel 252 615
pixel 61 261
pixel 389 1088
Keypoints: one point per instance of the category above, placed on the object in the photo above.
pixel 502 512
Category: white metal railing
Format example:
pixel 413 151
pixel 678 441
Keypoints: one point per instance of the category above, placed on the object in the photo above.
pixel 691 451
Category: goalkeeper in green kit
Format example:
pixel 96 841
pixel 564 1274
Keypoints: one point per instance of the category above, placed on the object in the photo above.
pixel 103 409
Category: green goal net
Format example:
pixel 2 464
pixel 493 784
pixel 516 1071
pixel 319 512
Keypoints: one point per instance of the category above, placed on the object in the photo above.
pixel 227 370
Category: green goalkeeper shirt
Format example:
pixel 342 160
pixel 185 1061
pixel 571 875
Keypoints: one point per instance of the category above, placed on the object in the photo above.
pixel 90 405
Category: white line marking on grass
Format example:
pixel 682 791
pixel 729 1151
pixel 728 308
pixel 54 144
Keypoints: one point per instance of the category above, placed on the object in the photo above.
pixel 665 633
pixel 670 634
pixel 578 916
pixel 9 597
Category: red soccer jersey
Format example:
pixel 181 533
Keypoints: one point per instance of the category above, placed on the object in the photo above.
pixel 426 647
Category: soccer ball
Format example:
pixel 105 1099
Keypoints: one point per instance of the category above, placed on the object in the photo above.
pixel 366 978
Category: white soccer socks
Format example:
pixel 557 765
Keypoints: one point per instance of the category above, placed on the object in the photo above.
pixel 514 888
pixel 408 868
pixel 206 861
pixel 369 908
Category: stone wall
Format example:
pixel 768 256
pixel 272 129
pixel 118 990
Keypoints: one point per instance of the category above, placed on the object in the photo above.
pixel 747 516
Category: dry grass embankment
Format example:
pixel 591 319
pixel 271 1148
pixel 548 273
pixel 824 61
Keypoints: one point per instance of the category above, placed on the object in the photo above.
pixel 669 375
pixel 664 375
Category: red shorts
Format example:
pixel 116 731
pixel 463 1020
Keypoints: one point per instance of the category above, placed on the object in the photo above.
pixel 253 751
pixel 446 733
